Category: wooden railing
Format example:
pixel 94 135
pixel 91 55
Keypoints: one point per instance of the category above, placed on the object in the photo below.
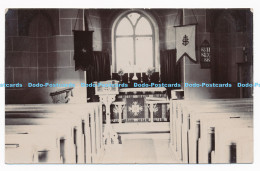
pixel 57 133
pixel 212 131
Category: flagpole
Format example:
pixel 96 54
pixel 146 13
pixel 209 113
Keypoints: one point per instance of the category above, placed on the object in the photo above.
pixel 183 23
pixel 85 72
pixel 83 19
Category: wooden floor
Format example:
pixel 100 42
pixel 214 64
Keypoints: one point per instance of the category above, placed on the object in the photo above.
pixel 140 148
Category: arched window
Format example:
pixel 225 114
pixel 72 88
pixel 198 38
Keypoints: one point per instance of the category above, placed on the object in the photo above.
pixel 134 43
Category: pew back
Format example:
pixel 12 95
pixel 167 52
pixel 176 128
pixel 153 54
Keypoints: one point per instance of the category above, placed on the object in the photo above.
pixel 201 130
pixel 54 133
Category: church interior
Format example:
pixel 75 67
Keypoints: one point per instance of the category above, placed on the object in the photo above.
pixel 133 123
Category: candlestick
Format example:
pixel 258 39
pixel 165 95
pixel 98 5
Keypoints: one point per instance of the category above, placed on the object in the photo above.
pixel 134 77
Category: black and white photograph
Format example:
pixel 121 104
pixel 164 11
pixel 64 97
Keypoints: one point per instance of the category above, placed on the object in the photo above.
pixel 129 86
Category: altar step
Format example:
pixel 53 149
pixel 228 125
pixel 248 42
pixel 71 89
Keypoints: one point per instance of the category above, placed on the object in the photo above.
pixel 142 127
pixel 140 148
pixel 144 135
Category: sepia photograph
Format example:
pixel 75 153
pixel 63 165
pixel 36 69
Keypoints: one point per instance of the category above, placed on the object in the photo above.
pixel 129 86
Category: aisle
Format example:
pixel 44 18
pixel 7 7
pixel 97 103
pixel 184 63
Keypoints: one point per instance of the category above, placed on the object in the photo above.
pixel 140 148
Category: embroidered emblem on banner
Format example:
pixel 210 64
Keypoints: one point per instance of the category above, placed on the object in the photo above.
pixel 185 40
pixel 84 50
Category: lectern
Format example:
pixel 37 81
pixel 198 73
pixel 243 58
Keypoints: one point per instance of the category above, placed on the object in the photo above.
pixel 107 91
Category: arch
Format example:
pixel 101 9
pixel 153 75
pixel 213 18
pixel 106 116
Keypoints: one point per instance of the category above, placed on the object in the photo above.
pixel 225 15
pixel 26 17
pixel 155 33
pixel 44 27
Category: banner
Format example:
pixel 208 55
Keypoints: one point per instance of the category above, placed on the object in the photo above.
pixel 83 50
pixel 185 42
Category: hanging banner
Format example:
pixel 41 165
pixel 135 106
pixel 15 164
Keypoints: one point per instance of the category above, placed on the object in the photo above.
pixel 83 49
pixel 185 42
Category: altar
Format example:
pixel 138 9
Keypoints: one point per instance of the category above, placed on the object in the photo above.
pixel 147 104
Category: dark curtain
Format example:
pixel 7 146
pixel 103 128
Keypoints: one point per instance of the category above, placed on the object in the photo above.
pixel 83 50
pixel 170 70
pixel 100 71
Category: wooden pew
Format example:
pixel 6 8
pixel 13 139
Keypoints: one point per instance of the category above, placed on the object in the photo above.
pixel 61 124
pixel 237 132
pixel 42 138
pixel 75 129
pixel 205 116
pixel 188 116
pixel 198 126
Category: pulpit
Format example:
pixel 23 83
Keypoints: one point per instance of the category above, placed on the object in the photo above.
pixel 62 95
